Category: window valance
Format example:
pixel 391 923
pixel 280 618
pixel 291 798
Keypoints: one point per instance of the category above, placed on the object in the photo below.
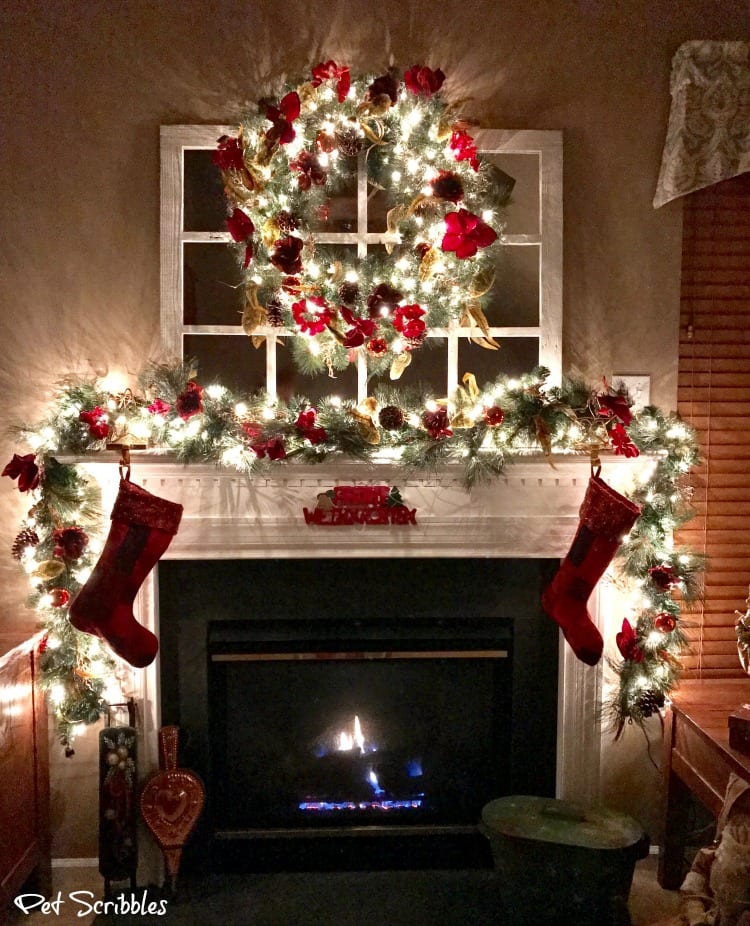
pixel 708 137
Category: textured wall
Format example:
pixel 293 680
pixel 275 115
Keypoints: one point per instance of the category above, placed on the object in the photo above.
pixel 87 83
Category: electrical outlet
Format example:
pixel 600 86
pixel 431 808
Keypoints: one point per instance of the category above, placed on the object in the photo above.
pixel 637 385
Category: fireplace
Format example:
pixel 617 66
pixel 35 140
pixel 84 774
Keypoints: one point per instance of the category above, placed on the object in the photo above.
pixel 360 723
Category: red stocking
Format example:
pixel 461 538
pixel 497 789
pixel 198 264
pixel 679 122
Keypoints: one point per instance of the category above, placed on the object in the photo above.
pixel 606 516
pixel 142 527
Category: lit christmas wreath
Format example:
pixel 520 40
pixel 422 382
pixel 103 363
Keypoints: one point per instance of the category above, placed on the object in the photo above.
pixel 431 265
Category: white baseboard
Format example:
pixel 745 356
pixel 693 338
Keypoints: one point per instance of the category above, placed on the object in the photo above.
pixel 75 862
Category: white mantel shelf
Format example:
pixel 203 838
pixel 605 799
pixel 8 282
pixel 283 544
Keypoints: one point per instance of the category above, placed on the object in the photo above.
pixel 529 511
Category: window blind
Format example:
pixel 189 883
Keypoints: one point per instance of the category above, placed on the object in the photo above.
pixel 714 396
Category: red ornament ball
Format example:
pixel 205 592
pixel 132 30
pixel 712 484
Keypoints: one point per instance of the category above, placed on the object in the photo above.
pixel 494 416
pixel 377 346
pixel 664 622
pixel 60 597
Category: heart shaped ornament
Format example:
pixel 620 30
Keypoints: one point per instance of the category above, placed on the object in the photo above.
pixel 171 802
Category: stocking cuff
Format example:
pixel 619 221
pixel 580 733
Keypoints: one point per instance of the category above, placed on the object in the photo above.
pixel 606 512
pixel 135 505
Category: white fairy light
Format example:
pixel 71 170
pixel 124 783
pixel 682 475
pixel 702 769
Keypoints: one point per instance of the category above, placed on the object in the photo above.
pixel 487 215
pixel 268 413
pixel 335 401
pixel 313 347
pixel 240 409
pixel 351 276
pixel 57 694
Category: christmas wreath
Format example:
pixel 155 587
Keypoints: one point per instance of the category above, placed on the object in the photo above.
pixel 429 265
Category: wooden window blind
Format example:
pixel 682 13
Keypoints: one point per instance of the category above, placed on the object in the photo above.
pixel 714 396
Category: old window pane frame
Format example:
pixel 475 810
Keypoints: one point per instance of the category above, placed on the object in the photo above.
pixel 546 146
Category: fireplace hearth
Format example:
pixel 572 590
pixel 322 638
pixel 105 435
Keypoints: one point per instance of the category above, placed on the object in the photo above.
pixel 357 715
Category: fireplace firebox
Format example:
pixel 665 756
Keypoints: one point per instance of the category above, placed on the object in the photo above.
pixel 345 730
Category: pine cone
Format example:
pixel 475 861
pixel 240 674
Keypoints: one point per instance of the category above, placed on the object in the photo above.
pixel 348 142
pixel 287 222
pixel 391 418
pixel 25 538
pixel 649 703
pixel 274 313
pixel 348 293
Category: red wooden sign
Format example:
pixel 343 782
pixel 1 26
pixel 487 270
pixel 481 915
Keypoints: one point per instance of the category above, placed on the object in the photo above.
pixel 370 505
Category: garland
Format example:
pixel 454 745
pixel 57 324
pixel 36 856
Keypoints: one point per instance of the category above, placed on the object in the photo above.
pixel 480 428
pixel 429 264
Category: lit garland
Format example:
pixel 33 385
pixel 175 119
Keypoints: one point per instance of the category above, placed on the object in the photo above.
pixel 480 429
pixel 429 265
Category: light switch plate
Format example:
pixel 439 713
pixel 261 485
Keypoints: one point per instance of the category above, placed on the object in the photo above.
pixel 638 386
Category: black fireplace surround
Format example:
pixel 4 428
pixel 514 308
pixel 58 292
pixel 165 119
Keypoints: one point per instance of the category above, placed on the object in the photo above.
pixel 352 713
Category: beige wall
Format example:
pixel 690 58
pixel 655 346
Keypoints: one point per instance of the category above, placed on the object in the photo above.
pixel 87 83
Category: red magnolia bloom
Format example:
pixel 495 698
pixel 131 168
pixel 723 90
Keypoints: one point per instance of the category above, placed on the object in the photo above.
pixel 273 448
pixel 663 576
pixel 627 643
pixel 494 416
pixel 329 70
pixel 240 225
pixel 309 321
pixel 621 441
pixel 25 470
pixel 190 401
pixel 306 425
pixel 466 233
pixel 310 170
pixel 615 404
pixel 360 328
pixel 407 320
pixel 463 147
pixel 228 155
pixel 159 407
pixel 423 80
pixel 436 423
pixel 70 542
pixel 96 419
pixel 282 117
pixel 286 254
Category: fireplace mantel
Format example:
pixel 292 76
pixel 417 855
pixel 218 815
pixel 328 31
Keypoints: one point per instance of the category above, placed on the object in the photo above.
pixel 531 511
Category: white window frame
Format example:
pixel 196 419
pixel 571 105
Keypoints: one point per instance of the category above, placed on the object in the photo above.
pixel 546 145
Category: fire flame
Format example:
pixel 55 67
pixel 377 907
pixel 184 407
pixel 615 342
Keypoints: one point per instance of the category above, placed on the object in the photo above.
pixel 347 741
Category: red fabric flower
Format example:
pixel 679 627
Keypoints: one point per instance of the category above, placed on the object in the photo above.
pixel 228 155
pixel 310 170
pixel 286 254
pixel 494 416
pixel 407 320
pixel 70 542
pixel 387 85
pixel 329 70
pixel 627 643
pixel 423 80
pixel 621 441
pixel 308 320
pixel 273 448
pixel 466 233
pixel 25 470
pixel 382 300
pixel 377 346
pixel 281 118
pixel 664 622
pixel 190 401
pixel 436 423
pixel 306 425
pixel 447 186
pixel 663 576
pixel 159 407
pixel 96 419
pixel 360 328
pixel 615 404
pixel 463 147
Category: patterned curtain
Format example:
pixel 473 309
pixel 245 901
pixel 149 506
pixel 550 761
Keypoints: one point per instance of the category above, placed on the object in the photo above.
pixel 708 137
